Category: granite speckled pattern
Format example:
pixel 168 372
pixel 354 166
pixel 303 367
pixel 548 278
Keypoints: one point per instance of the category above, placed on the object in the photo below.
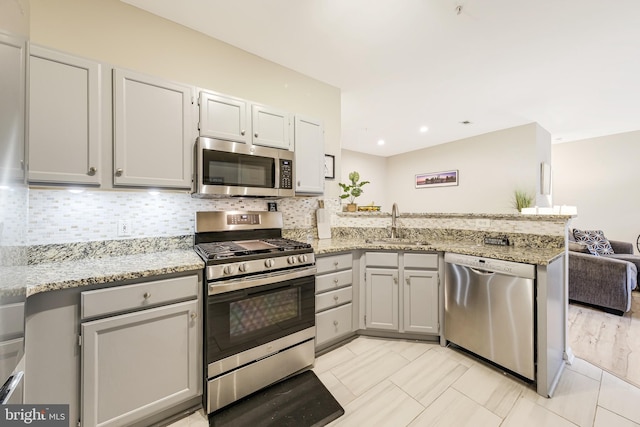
pixel 105 248
pixel 528 255
pixel 46 277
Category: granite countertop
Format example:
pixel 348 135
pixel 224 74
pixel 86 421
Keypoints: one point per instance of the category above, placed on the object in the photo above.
pixel 527 255
pixel 33 279
pixel 20 282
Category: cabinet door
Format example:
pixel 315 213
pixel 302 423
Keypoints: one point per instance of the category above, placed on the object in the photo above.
pixel 137 364
pixel 420 308
pixel 64 118
pixel 12 99
pixel 270 127
pixel 223 117
pixel 381 298
pixel 333 324
pixel 153 131
pixel 309 155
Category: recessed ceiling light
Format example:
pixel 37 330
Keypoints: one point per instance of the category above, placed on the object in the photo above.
pixel 424 129
pixel 381 142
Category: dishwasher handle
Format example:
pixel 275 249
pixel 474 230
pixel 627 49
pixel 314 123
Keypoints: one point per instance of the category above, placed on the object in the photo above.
pixel 482 272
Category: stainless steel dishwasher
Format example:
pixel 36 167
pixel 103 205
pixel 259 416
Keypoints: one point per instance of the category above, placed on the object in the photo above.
pixel 489 309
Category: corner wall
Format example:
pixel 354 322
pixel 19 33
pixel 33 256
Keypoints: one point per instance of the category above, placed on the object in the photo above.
pixel 601 177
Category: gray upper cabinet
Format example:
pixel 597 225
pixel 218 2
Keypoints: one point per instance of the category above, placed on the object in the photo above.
pixel 64 136
pixel 223 117
pixel 271 127
pixel 12 100
pixel 309 155
pixel 153 131
pixel 234 119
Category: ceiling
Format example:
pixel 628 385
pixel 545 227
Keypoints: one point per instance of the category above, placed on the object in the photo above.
pixel 572 66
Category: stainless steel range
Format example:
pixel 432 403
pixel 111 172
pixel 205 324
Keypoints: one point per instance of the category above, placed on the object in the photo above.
pixel 260 308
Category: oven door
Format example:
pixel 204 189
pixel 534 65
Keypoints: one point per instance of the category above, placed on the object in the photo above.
pixel 243 319
pixel 237 169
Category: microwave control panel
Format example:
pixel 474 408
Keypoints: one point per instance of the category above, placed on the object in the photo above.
pixel 286 174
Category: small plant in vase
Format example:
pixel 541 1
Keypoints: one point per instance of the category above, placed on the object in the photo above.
pixel 352 190
pixel 522 199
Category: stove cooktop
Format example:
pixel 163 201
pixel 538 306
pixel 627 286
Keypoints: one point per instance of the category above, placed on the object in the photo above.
pixel 238 249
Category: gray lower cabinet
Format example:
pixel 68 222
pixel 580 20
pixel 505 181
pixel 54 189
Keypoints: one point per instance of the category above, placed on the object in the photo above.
pixel 402 292
pixel 334 295
pixel 137 364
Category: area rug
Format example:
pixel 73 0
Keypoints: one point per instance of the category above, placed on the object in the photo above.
pixel 606 340
pixel 299 401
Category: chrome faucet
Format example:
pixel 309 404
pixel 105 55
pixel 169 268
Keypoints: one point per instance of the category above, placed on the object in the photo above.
pixel 394 221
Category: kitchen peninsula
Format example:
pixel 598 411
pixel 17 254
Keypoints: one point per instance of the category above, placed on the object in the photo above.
pixel 54 286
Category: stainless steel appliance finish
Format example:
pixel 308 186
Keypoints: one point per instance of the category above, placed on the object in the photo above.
pixel 260 308
pixel 226 168
pixel 489 310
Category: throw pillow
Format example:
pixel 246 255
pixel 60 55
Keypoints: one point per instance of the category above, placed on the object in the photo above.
pixel 578 247
pixel 595 241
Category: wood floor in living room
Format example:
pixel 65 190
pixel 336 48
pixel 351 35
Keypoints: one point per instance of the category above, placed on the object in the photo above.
pixel 396 383
pixel 606 340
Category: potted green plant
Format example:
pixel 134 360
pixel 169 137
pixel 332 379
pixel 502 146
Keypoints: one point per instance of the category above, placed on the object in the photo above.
pixel 522 199
pixel 352 190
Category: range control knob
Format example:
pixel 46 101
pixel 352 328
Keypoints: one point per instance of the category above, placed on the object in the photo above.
pixel 243 267
pixel 229 269
pixel 302 258
pixel 269 263
pixel 291 260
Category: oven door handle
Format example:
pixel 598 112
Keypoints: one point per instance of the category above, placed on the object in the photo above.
pixel 241 283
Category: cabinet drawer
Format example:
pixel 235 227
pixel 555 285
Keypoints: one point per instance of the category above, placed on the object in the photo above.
pixel 332 324
pixel 129 297
pixel 382 259
pixel 420 260
pixel 333 298
pixel 334 263
pixel 334 280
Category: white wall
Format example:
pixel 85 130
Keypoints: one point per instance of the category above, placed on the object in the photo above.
pixel 371 168
pixel 491 167
pixel 602 178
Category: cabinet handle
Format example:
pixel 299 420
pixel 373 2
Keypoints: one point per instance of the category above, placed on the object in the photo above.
pixel 119 172
pixel 193 315
pixel 335 323
pixel 335 264
pixel 408 281
pixel 335 298
pixel 92 171
pixel 335 281
pixel 255 135
pixel 242 132
pixel 395 280
pixel 147 295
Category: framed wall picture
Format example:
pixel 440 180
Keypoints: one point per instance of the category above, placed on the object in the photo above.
pixel 437 179
pixel 329 166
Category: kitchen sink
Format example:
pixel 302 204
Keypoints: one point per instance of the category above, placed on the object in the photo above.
pixel 396 241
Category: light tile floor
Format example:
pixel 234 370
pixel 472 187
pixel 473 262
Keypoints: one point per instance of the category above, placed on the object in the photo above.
pixel 397 383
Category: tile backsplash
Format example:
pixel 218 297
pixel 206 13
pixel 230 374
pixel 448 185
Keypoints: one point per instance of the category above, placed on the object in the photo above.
pixel 60 216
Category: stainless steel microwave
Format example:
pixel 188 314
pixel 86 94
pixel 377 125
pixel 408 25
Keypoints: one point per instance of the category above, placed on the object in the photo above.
pixel 227 168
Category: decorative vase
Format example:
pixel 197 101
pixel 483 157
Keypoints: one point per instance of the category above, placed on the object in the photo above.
pixel 351 207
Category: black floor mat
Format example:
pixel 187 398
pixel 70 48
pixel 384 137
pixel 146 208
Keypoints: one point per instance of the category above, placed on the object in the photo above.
pixel 299 401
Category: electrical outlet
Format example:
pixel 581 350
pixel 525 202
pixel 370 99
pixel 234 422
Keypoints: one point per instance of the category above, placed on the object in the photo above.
pixel 483 223
pixel 124 227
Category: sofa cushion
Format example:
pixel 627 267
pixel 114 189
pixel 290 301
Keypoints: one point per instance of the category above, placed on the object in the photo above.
pixel 595 241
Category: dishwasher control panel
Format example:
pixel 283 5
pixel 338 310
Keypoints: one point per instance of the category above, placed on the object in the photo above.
pixel 492 265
